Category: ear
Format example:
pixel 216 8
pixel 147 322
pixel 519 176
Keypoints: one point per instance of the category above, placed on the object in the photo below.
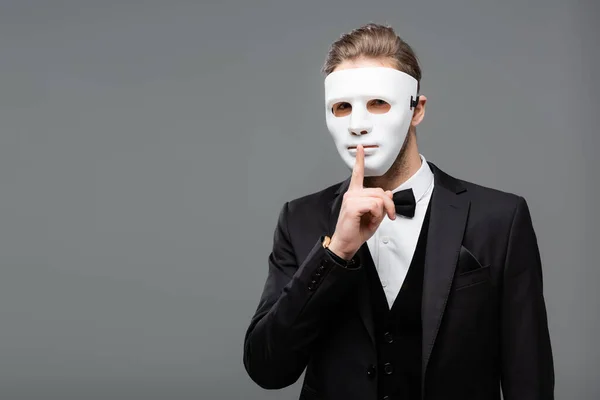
pixel 419 112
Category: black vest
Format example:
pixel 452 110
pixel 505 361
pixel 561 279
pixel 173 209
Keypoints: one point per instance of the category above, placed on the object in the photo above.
pixel 398 330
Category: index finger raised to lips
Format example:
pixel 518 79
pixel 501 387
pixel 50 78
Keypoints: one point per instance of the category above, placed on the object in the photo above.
pixel 358 172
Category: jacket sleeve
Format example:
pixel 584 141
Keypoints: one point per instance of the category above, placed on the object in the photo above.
pixel 295 301
pixel 527 366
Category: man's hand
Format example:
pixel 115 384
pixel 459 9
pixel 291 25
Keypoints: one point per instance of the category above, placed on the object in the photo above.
pixel 362 211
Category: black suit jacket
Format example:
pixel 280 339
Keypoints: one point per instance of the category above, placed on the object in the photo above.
pixel 484 318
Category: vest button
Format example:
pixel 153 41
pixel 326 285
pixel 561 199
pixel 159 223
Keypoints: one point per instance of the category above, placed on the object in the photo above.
pixel 388 337
pixel 371 371
pixel 388 368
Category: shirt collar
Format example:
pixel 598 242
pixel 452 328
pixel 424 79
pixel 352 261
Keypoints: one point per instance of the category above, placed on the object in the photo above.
pixel 420 181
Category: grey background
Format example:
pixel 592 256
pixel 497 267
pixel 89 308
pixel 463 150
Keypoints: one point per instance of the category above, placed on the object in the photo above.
pixel 146 148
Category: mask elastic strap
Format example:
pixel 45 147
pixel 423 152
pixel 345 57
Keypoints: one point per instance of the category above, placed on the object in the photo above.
pixel 414 103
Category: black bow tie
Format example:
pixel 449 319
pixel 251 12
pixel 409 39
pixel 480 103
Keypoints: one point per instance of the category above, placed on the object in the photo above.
pixel 405 202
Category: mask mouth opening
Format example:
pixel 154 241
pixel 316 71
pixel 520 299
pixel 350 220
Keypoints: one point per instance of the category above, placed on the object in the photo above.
pixel 366 146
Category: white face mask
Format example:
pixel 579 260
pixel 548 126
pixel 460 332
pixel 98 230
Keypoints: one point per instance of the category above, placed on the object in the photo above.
pixel 361 119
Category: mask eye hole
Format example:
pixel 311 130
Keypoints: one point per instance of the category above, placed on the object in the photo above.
pixel 378 106
pixel 341 109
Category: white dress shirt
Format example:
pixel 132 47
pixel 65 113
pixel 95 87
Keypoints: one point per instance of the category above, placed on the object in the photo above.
pixel 393 245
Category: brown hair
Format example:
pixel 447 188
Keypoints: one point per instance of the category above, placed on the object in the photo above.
pixel 374 41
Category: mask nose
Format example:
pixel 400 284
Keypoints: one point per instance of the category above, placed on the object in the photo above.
pixel 360 123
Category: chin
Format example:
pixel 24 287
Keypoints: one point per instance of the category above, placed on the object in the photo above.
pixel 373 170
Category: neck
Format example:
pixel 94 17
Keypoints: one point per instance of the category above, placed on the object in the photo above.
pixel 406 165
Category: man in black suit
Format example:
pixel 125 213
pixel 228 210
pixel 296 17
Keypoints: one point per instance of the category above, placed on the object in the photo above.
pixel 442 299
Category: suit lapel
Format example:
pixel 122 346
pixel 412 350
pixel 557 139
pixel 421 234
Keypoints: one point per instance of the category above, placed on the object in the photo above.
pixel 363 295
pixel 448 219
